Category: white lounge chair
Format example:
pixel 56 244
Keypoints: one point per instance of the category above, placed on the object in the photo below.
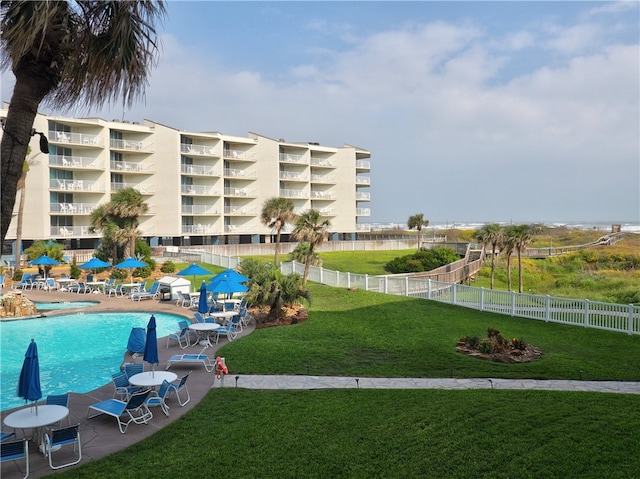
pixel 135 408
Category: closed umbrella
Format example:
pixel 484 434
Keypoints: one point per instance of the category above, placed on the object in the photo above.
pixel 193 270
pixel 203 304
pixel 151 346
pixel 45 261
pixel 131 264
pixel 29 381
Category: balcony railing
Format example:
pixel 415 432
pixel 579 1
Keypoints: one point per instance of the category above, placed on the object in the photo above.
pixel 231 228
pixel 132 167
pixel 72 208
pixel 363 164
pixel 363 227
pixel 145 189
pixel 197 229
pixel 363 211
pixel 73 161
pixel 327 212
pixel 129 145
pixel 292 176
pixel 199 170
pixel 73 185
pixel 363 180
pixel 238 173
pixel 362 196
pixel 202 150
pixel 238 192
pixel 292 158
pixel 321 195
pixel 75 138
pixel 323 179
pixel 198 190
pixel 238 155
pixel 289 193
pixel 322 162
pixel 199 210
pixel 71 231
pixel 239 210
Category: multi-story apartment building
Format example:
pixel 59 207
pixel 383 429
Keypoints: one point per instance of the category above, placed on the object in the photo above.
pixel 201 188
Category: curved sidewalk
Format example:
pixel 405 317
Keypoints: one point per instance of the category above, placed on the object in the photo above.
pixel 339 382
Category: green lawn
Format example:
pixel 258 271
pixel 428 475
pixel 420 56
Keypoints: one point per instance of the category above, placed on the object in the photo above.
pixel 363 433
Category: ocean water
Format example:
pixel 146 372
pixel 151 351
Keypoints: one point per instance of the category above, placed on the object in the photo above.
pixel 603 226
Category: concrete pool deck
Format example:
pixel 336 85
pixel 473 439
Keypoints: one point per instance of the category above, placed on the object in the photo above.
pixel 100 436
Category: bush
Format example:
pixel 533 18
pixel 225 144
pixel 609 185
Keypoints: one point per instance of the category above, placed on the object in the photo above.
pixel 168 267
pixel 17 275
pixel 424 260
pixel 74 271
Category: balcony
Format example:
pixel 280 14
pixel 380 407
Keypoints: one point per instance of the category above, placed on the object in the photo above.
pixel 74 138
pixel 363 180
pixel 199 170
pixel 292 158
pixel 238 173
pixel 71 231
pixel 238 155
pixel 328 179
pixel 145 189
pixel 362 196
pixel 363 228
pixel 74 185
pixel 205 190
pixel 75 162
pixel 239 211
pixel 199 150
pixel 363 165
pixel 197 229
pixel 289 193
pixel 238 192
pixel 322 195
pixel 199 210
pixel 132 167
pixel 293 176
pixel 231 228
pixel 327 212
pixel 363 211
pixel 322 162
pixel 130 145
pixel 72 208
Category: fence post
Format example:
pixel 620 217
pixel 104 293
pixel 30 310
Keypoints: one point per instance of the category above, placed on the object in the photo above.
pixel 338 278
pixel 406 285
pixel 513 303
pixel 366 282
pixel 348 280
pixel 630 322
pixel 481 299
pixel 429 288
pixel 547 309
pixel 586 313
pixel 455 292
pixel 386 279
pixel 321 275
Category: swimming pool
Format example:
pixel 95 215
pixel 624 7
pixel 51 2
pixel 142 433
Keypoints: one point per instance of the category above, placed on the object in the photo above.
pixel 77 352
pixel 55 305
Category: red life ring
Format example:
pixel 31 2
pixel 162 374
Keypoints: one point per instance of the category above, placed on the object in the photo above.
pixel 221 367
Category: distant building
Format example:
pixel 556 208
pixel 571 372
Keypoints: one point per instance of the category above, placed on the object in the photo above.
pixel 201 188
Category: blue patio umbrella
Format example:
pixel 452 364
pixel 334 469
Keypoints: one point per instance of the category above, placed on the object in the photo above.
pixel 29 381
pixel 95 263
pixel 225 285
pixel 203 304
pixel 232 274
pixel 131 264
pixel 151 345
pixel 45 261
pixel 193 270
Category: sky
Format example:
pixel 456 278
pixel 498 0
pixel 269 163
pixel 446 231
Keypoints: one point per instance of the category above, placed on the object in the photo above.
pixel 511 112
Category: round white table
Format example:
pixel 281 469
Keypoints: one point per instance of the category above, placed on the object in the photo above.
pixel 152 378
pixel 203 329
pixel 28 419
pixel 223 314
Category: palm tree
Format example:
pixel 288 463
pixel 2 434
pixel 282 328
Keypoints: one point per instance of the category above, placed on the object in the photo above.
pixel 63 52
pixel 417 222
pixel 309 228
pixel 128 205
pixel 521 239
pixel 509 244
pixel 276 213
pixel 22 184
pixel 490 234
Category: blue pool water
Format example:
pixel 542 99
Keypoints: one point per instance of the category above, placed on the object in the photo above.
pixel 77 352
pixel 49 306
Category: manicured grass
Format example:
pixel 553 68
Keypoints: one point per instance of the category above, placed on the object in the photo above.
pixel 361 433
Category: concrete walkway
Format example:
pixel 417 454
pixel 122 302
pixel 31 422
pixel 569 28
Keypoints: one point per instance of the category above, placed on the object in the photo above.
pixel 100 436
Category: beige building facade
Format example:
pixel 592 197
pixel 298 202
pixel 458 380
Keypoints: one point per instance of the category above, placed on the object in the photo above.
pixel 201 188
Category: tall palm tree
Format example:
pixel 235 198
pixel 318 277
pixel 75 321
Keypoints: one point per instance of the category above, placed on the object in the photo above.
pixel 276 213
pixel 62 52
pixel 417 222
pixel 508 246
pixel 310 228
pixel 521 239
pixel 22 184
pixel 490 234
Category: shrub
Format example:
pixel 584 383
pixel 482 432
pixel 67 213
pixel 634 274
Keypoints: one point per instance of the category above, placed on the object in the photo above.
pixel 423 260
pixel 74 271
pixel 17 275
pixel 168 267
pixel 485 347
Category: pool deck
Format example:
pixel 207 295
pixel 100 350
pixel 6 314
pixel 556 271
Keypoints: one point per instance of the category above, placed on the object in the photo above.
pixel 100 436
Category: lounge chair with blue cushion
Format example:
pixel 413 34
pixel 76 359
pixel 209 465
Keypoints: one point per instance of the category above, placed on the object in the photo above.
pixel 24 282
pixel 201 358
pixel 151 294
pixel 135 409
